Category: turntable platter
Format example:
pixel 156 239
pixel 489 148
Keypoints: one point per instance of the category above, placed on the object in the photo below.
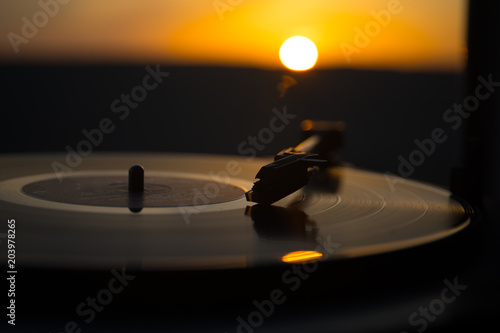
pixel 212 226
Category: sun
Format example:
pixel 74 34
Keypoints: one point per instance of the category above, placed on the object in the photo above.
pixel 298 53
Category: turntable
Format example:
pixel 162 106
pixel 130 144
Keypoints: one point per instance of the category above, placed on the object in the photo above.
pixel 183 235
pixel 149 222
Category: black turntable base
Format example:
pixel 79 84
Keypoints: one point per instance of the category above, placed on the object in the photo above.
pixel 191 253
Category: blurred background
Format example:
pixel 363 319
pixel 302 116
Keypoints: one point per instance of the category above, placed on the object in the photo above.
pixel 389 69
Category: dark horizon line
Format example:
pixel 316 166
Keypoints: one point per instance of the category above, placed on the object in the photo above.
pixel 219 66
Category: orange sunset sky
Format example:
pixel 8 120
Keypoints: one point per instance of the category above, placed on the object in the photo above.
pixel 422 35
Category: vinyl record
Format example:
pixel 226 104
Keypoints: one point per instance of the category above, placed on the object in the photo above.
pixel 194 215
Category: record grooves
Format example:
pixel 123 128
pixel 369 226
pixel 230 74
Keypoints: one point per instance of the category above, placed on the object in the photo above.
pixel 358 209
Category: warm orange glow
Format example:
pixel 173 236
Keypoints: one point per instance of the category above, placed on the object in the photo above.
pixel 298 53
pixel 422 34
pixel 300 257
pixel 286 82
pixel 306 125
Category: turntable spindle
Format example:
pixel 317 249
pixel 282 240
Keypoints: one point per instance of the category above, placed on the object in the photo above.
pixel 135 188
pixel 136 178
